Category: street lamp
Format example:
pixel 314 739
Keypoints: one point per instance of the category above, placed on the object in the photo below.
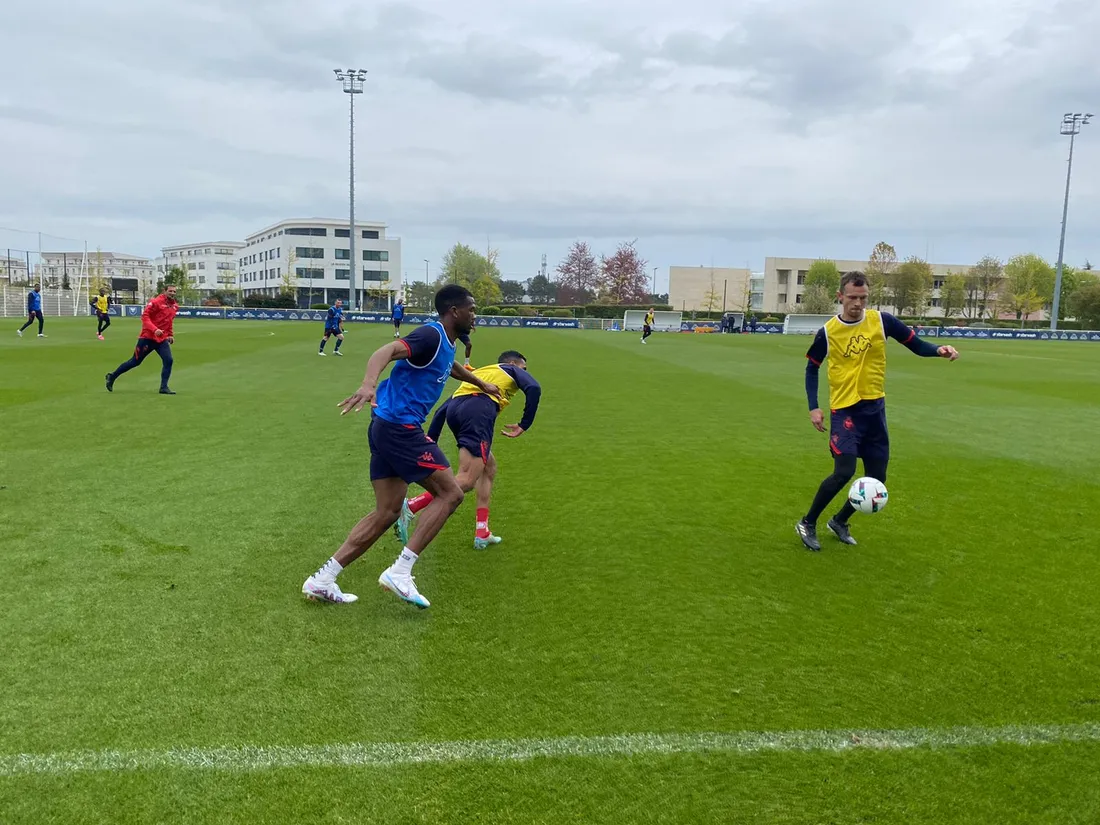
pixel 1071 125
pixel 654 290
pixel 352 81
pixel 425 272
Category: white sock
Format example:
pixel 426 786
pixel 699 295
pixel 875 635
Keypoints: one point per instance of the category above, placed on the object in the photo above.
pixel 405 562
pixel 330 570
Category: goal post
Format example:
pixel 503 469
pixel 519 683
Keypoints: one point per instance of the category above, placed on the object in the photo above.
pixel 804 324
pixel 633 320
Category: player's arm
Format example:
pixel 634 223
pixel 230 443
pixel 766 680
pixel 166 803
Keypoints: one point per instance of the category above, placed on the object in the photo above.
pixel 532 394
pixel 908 338
pixel 418 347
pixel 435 429
pixel 815 357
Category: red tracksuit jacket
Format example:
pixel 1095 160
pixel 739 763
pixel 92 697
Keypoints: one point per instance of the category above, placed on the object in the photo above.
pixel 158 314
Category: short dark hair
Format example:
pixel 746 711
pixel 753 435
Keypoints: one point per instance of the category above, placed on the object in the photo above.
pixel 452 295
pixel 855 278
pixel 510 355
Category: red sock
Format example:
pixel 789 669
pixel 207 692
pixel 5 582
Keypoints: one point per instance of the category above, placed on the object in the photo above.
pixel 420 502
pixel 483 522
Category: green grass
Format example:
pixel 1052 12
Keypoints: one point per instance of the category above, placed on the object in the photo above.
pixel 153 549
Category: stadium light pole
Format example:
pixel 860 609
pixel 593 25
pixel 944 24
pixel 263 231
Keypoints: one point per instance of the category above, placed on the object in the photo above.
pixel 1071 125
pixel 425 272
pixel 352 81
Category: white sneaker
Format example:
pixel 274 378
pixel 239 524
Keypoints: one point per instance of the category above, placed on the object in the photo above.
pixel 482 543
pixel 321 591
pixel 19 332
pixel 402 586
pixel 320 353
pixel 40 335
pixel 337 353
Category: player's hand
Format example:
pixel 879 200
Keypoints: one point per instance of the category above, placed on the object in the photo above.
pixel 817 418
pixel 171 339
pixel 513 430
pixel 950 353
pixel 492 389
pixel 159 333
pixel 355 401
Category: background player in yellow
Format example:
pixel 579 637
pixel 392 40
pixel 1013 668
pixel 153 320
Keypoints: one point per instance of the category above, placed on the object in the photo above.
pixel 647 325
pixel 472 416
pixel 854 343
pixel 101 302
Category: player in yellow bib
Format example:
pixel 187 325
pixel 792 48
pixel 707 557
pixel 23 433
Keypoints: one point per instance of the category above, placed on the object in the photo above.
pixel 854 343
pixel 101 302
pixel 647 325
pixel 471 416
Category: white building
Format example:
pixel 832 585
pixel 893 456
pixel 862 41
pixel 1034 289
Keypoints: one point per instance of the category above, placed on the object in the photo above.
pixel 119 272
pixel 314 255
pixel 13 270
pixel 211 266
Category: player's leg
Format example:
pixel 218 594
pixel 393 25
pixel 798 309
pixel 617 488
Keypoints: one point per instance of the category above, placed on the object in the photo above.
pixel 875 452
pixel 106 322
pixel 30 320
pixel 483 536
pixel 844 441
pixel 339 341
pixel 41 321
pixel 143 348
pixel 164 350
pixel 324 341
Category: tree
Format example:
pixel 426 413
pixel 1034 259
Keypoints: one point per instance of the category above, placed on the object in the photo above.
pixel 578 275
pixel 420 295
pixel 96 279
pixel 1086 305
pixel 512 292
pixel 1029 285
pixel 910 287
pixel 822 285
pixel 541 289
pixel 623 278
pixel 486 291
pixel 983 286
pixel 288 286
pixel 711 299
pixel 1072 280
pixel 880 266
pixel 953 294
pixel 463 265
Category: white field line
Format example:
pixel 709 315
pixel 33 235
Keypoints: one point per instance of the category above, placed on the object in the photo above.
pixel 396 754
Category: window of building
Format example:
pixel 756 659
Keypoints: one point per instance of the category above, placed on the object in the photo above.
pixel 798 299
pixel 935 302
pixel 341 233
pixel 309 252
pixel 937 283
pixel 375 255
pixel 308 272
pixel 343 254
pixel 343 274
pixel 784 275
pixel 782 297
pixel 191 266
pixel 313 231
pixel 376 275
pixel 801 278
pixel 370 234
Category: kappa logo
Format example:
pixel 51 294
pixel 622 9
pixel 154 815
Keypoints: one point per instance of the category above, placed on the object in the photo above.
pixel 857 345
pixel 849 424
pixel 426 457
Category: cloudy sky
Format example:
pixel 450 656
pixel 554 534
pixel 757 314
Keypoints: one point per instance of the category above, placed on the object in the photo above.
pixel 710 130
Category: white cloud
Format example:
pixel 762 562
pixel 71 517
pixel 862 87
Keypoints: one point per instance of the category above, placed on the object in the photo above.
pixel 702 128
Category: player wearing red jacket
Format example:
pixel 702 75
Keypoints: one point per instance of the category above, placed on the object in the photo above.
pixel 156 335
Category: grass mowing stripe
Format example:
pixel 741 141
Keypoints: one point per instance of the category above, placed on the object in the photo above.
pixel 395 754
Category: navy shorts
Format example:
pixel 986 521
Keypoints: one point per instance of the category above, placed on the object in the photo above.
pixel 473 419
pixel 396 322
pixel 860 430
pixel 402 451
pixel 332 331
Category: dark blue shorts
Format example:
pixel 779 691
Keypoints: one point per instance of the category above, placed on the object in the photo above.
pixel 473 419
pixel 402 451
pixel 332 331
pixel 860 430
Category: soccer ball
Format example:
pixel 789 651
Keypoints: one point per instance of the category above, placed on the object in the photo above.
pixel 868 495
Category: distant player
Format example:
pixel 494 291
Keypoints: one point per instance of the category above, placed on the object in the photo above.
pixel 101 302
pixel 472 416
pixel 465 339
pixel 397 314
pixel 401 453
pixel 334 325
pixel 34 310
pixel 647 325
pixel 854 342
pixel 156 336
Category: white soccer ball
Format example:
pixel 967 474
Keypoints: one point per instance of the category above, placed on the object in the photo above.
pixel 868 495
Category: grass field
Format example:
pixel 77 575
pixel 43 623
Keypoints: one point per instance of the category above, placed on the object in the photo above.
pixel 153 548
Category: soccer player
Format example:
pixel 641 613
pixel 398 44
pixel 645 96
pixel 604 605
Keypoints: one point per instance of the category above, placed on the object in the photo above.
pixel 334 325
pixel 34 310
pixel 465 339
pixel 472 416
pixel 647 325
pixel 854 342
pixel 397 314
pixel 101 303
pixel 156 336
pixel 401 453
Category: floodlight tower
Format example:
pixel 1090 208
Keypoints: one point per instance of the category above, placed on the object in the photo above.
pixel 352 81
pixel 1071 125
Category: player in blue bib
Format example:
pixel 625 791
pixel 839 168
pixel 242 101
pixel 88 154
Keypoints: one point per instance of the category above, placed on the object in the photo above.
pixel 334 325
pixel 400 452
pixel 398 315
pixel 34 310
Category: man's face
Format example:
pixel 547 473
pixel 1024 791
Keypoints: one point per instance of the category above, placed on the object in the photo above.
pixel 37 287
pixel 465 315
pixel 521 364
pixel 170 294
pixel 339 303
pixel 102 292
pixel 853 300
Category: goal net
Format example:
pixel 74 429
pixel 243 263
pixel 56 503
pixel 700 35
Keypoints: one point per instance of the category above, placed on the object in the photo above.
pixel 804 324
pixel 633 320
